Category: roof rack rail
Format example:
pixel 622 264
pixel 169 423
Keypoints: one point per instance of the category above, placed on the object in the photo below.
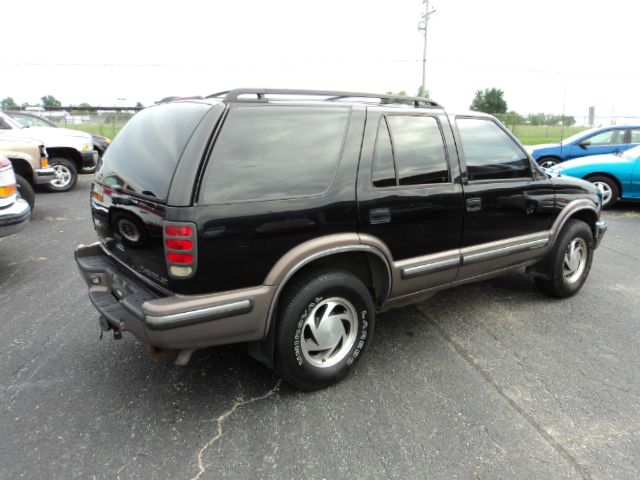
pixel 235 94
pixel 176 98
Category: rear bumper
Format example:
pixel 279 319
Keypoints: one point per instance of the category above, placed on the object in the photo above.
pixel 173 322
pixel 601 229
pixel 14 218
pixel 43 175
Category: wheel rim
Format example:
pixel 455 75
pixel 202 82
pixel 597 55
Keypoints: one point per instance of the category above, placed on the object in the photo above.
pixel 63 176
pixel 548 164
pixel 329 332
pixel 606 191
pixel 575 260
pixel 129 230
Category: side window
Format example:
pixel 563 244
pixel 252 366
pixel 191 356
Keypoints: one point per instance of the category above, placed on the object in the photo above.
pixel 635 136
pixel 274 152
pixel 412 145
pixel 610 137
pixel 383 171
pixel 489 152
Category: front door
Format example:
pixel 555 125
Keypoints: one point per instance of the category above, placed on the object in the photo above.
pixel 608 141
pixel 410 196
pixel 509 204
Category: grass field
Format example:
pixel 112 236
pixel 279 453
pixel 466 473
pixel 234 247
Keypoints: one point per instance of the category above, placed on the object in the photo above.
pixel 104 129
pixel 534 134
pixel 527 134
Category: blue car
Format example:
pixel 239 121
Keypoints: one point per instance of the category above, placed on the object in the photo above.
pixel 596 141
pixel 617 175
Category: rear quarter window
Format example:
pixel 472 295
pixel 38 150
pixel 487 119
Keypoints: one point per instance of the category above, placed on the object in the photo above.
pixel 275 152
pixel 143 156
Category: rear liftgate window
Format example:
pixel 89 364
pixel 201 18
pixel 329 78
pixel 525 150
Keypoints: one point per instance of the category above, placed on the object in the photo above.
pixel 275 152
pixel 143 156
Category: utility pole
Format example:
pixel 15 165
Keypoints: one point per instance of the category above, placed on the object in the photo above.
pixel 422 26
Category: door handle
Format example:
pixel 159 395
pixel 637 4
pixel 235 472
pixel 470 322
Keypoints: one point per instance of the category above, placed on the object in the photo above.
pixel 474 204
pixel 379 215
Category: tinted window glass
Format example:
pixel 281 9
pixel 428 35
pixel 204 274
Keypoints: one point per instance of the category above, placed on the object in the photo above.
pixel 272 152
pixel 418 149
pixel 383 171
pixel 145 153
pixel 635 136
pixel 489 152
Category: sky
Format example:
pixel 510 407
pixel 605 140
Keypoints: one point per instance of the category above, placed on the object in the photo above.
pixel 547 56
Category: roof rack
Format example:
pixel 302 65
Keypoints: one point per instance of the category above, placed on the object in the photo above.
pixel 234 95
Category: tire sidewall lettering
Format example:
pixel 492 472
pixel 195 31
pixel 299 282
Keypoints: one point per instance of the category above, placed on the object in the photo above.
pixel 297 349
pixel 361 341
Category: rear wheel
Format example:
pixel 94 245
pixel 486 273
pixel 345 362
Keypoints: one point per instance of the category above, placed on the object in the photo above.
pixel 567 265
pixel 326 319
pixel 26 190
pixel 66 175
pixel 609 189
pixel 548 162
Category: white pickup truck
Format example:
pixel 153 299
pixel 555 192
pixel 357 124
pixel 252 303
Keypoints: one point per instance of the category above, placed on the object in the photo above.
pixel 69 150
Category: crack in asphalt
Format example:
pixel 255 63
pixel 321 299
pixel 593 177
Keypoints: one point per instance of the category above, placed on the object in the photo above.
pixel 498 452
pixel 549 439
pixel 220 421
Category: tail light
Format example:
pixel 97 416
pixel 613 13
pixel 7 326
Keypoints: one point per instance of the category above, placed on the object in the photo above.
pixel 7 180
pixel 180 247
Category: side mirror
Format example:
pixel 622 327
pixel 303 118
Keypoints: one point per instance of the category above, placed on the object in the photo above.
pixel 584 143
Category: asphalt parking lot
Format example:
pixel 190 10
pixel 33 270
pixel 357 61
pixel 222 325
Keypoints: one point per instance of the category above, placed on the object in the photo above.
pixel 491 380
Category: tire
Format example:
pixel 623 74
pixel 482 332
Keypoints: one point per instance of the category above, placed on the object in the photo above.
pixel 547 162
pixel 66 175
pixel 568 271
pixel 26 190
pixel 131 229
pixel 341 303
pixel 609 188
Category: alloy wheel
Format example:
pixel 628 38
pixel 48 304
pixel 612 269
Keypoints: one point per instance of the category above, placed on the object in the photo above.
pixel 606 191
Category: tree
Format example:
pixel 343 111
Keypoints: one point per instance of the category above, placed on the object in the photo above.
pixel 423 93
pixel 84 105
pixel 402 93
pixel 511 118
pixel 536 118
pixel 8 104
pixel 50 101
pixel 139 105
pixel 489 101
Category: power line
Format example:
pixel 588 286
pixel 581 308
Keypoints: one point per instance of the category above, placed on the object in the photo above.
pixel 326 62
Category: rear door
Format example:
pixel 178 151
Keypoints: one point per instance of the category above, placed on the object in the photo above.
pixel 410 196
pixel 509 204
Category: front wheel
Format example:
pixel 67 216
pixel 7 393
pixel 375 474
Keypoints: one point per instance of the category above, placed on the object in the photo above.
pixel 66 175
pixel 25 190
pixel 326 319
pixel 567 265
pixel 608 188
pixel 548 162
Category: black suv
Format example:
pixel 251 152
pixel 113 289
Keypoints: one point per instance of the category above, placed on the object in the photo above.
pixel 287 218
